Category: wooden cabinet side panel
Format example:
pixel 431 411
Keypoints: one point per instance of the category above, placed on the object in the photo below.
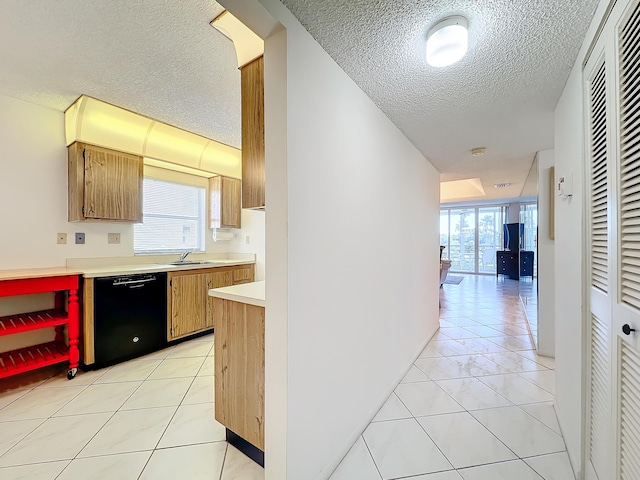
pixel 188 304
pixel 215 202
pixel 113 185
pixel 252 88
pixel 216 280
pixel 239 369
pixel 231 199
pixel 75 182
pixel 88 350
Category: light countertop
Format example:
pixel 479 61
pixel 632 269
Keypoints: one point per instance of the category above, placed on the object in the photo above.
pixel 107 271
pixel 22 273
pixel 249 293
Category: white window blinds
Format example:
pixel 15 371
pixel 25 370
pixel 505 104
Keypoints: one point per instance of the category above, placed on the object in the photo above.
pixel 173 218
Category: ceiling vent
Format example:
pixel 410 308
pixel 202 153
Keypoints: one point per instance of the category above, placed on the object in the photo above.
pixel 502 185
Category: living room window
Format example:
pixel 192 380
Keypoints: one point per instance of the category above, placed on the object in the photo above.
pixel 173 218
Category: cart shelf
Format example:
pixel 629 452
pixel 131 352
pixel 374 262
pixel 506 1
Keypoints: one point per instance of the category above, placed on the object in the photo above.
pixel 36 356
pixel 23 322
pixel 29 358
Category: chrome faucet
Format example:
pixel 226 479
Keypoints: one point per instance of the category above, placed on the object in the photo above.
pixel 184 255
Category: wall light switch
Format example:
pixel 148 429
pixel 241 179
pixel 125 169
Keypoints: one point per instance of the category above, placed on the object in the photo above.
pixel 62 238
pixel 79 238
pixel 247 239
pixel 113 238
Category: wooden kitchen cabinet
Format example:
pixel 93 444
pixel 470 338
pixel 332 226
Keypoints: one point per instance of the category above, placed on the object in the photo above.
pixel 104 184
pixel 252 88
pixel 225 199
pixel 190 309
pixel 187 304
pixel 239 369
pixel 216 280
pixel 243 274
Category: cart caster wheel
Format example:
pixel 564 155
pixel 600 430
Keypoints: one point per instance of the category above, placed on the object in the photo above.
pixel 71 374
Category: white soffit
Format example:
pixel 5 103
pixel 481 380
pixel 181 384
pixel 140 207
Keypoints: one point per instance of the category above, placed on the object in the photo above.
pixel 248 45
pixel 468 188
pixel 501 95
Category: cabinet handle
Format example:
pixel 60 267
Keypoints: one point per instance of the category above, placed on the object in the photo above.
pixel 626 329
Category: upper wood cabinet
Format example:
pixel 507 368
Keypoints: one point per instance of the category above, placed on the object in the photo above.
pixel 104 184
pixel 224 208
pixel 252 84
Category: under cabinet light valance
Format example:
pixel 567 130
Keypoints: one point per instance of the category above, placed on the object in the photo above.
pixel 99 123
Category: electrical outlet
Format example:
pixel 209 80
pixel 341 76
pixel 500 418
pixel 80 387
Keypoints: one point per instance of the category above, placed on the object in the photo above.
pixel 62 238
pixel 79 238
pixel 247 239
pixel 113 238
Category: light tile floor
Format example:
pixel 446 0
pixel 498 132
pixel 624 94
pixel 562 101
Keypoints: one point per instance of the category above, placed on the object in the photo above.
pixel 476 405
pixel 150 418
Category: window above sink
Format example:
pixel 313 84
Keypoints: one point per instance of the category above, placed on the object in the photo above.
pixel 173 219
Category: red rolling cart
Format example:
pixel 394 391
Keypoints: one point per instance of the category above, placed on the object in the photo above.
pixel 24 282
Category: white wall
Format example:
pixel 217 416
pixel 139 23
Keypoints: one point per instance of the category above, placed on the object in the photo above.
pixel 568 265
pixel 355 313
pixel 33 193
pixel 546 259
pixel 253 227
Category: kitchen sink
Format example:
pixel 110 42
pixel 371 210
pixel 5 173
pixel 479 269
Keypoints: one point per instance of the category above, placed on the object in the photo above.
pixel 190 262
pixel 203 262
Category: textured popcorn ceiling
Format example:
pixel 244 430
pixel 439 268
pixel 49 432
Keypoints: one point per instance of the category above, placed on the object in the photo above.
pixel 162 59
pixel 501 95
pixel 158 58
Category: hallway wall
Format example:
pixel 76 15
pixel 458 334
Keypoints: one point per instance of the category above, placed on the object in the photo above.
pixel 345 315
pixel 546 258
pixel 569 269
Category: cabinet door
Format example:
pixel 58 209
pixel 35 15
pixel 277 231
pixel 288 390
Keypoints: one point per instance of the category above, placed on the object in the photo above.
pixel 112 185
pixel 188 304
pixel 252 88
pixel 224 206
pixel 216 280
pixel 243 274
pixel 231 202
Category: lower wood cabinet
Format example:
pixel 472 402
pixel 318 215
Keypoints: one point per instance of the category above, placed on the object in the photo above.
pixel 187 304
pixel 190 309
pixel 239 369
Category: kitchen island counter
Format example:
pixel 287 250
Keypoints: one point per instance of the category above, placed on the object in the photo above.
pixel 238 321
pixel 249 293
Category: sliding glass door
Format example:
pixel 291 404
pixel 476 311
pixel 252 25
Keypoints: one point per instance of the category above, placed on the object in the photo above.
pixel 462 239
pixel 472 236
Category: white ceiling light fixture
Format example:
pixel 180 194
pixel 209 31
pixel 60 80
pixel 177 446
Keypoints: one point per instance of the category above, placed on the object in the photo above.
pixel 447 41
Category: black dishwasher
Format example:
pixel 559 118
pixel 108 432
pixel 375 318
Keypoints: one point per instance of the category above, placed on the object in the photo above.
pixel 130 316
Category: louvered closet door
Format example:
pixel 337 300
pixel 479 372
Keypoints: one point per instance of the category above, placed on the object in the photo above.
pixel 627 307
pixel 599 432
